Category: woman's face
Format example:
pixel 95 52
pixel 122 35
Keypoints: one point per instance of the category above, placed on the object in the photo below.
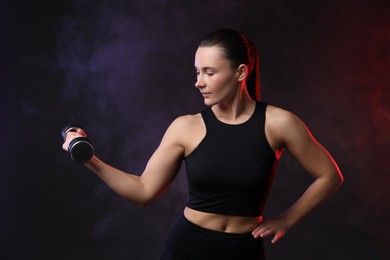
pixel 216 79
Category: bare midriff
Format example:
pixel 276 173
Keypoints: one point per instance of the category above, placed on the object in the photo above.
pixel 222 223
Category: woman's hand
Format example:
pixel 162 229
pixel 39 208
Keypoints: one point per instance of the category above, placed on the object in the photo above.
pixel 276 226
pixel 70 135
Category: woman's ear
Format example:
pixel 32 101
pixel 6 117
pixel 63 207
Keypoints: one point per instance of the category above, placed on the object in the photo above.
pixel 242 72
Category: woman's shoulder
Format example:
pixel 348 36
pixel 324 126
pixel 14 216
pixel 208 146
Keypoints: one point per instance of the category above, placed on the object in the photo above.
pixel 188 119
pixel 278 113
pixel 187 122
pixel 187 128
pixel 280 118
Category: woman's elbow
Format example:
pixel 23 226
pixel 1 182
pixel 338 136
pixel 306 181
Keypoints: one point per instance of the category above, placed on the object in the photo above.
pixel 337 179
pixel 144 201
pixel 340 180
pixel 141 203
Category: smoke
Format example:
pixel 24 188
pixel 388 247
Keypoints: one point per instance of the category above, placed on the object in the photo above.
pixel 128 75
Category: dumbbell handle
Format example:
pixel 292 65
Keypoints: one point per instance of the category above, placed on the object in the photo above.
pixel 70 128
pixel 80 149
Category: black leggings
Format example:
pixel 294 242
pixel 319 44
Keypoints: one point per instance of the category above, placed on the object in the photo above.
pixel 188 241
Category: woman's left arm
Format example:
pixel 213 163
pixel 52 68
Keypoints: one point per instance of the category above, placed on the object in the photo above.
pixel 292 134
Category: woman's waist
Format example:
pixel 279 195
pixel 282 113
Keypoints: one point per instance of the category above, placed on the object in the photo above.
pixel 222 223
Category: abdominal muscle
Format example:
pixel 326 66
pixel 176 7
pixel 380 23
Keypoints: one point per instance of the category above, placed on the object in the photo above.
pixel 222 223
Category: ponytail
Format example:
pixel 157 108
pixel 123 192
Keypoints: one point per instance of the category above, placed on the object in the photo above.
pixel 253 79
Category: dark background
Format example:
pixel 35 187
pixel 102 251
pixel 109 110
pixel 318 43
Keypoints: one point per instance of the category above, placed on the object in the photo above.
pixel 124 70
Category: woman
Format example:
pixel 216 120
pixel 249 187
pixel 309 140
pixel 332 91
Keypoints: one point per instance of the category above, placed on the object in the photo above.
pixel 231 151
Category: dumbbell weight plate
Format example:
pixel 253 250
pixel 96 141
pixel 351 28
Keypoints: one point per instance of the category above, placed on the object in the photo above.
pixel 80 150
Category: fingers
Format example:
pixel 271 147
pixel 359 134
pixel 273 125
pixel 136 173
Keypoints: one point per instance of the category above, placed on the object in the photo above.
pixel 259 231
pixel 70 136
pixel 278 236
pixel 81 132
pixel 263 231
pixel 65 146
pixel 274 227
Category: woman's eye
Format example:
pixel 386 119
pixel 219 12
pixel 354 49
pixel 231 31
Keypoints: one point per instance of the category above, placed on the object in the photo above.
pixel 208 73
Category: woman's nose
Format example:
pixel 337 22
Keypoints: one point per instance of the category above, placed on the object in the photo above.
pixel 199 82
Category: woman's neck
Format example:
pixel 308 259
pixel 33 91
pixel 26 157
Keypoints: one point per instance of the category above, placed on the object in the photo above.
pixel 235 111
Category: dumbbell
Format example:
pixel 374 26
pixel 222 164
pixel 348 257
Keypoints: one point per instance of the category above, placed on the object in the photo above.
pixel 80 149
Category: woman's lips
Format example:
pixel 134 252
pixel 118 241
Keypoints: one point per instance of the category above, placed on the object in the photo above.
pixel 205 94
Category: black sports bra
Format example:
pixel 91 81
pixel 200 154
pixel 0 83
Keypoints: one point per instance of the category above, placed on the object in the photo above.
pixel 231 170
